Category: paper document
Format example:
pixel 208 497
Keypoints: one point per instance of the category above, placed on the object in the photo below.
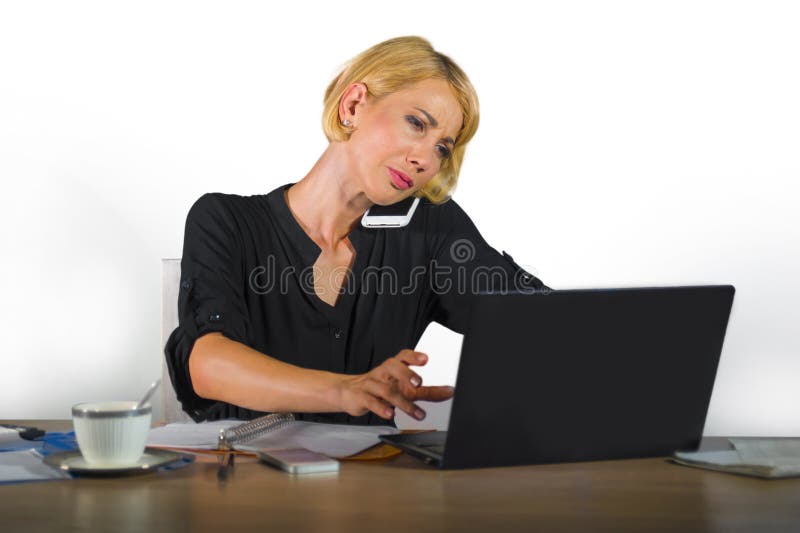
pixel 10 439
pixel 26 465
pixel 333 440
pixel 780 451
pixel 767 458
pixel 202 436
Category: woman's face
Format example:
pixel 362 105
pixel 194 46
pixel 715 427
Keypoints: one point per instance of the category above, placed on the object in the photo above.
pixel 401 140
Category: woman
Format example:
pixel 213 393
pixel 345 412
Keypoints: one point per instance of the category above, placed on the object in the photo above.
pixel 288 304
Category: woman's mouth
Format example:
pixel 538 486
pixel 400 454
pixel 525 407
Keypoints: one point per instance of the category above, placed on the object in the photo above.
pixel 400 180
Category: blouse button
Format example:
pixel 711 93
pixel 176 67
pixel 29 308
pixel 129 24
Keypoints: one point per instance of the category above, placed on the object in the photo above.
pixel 338 334
pixel 215 317
pixel 186 284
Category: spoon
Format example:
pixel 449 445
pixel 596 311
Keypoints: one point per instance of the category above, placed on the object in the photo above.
pixel 149 393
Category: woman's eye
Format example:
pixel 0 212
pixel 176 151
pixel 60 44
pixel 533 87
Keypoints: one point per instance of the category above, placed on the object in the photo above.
pixel 418 125
pixel 414 121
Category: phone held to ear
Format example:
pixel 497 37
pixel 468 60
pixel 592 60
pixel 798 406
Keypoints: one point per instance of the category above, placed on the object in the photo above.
pixel 299 461
pixel 390 216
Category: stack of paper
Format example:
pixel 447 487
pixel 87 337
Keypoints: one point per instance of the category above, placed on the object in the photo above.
pixel 26 465
pixel 188 435
pixel 10 440
pixel 764 457
pixel 333 440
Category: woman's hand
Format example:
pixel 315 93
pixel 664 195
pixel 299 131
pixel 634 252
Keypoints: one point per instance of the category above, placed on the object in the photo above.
pixel 389 385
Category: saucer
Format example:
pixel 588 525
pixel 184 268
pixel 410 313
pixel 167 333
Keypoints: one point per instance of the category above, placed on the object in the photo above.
pixel 74 463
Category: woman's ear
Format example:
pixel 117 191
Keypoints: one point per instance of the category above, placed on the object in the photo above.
pixel 353 100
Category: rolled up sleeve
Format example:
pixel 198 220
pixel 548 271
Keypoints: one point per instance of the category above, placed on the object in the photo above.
pixel 211 295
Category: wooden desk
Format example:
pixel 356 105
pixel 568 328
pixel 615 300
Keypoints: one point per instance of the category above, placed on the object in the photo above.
pixel 404 494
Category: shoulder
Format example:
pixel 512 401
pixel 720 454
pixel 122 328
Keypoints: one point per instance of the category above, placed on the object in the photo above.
pixel 220 202
pixel 225 208
pixel 436 225
pixel 445 217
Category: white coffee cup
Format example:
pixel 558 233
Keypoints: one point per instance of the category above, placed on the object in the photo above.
pixel 111 434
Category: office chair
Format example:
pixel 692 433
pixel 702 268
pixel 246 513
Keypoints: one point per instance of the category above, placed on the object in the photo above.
pixel 171 410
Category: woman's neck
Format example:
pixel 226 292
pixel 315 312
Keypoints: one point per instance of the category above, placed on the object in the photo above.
pixel 328 202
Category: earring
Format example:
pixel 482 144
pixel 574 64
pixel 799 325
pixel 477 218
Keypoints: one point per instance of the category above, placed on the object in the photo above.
pixel 346 123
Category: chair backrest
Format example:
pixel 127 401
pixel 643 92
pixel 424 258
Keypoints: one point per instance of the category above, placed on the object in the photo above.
pixel 171 410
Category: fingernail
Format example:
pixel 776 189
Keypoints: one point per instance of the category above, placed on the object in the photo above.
pixel 389 413
pixel 415 381
pixel 422 358
pixel 419 414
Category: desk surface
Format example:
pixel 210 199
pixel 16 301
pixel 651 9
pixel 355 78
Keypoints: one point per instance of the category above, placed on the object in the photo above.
pixel 404 494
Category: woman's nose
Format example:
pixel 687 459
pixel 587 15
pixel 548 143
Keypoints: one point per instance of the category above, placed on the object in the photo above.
pixel 418 159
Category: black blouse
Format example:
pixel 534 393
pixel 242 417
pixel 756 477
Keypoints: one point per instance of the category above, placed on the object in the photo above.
pixel 247 272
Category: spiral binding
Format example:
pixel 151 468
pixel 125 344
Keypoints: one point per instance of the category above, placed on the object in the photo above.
pixel 248 430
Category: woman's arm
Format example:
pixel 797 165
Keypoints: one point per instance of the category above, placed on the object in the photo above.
pixel 229 371
pixel 466 266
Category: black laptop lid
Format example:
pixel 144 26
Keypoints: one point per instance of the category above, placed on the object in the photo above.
pixel 586 375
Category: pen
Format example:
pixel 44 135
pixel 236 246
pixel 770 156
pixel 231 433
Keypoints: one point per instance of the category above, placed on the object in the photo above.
pixel 25 432
pixel 225 466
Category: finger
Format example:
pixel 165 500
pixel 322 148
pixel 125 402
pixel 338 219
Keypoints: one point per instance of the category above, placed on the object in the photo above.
pixel 410 357
pixel 392 395
pixel 434 394
pixel 395 370
pixel 378 406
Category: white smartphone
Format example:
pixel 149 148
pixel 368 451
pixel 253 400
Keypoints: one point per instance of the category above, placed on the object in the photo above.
pixel 390 216
pixel 299 461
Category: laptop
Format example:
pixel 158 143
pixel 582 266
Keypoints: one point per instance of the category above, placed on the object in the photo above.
pixel 580 375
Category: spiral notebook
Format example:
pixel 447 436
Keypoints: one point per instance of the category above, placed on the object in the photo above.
pixel 271 432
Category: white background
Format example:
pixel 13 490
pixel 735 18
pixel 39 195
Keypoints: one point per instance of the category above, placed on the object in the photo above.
pixel 621 143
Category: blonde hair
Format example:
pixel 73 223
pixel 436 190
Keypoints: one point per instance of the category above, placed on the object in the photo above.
pixel 391 66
